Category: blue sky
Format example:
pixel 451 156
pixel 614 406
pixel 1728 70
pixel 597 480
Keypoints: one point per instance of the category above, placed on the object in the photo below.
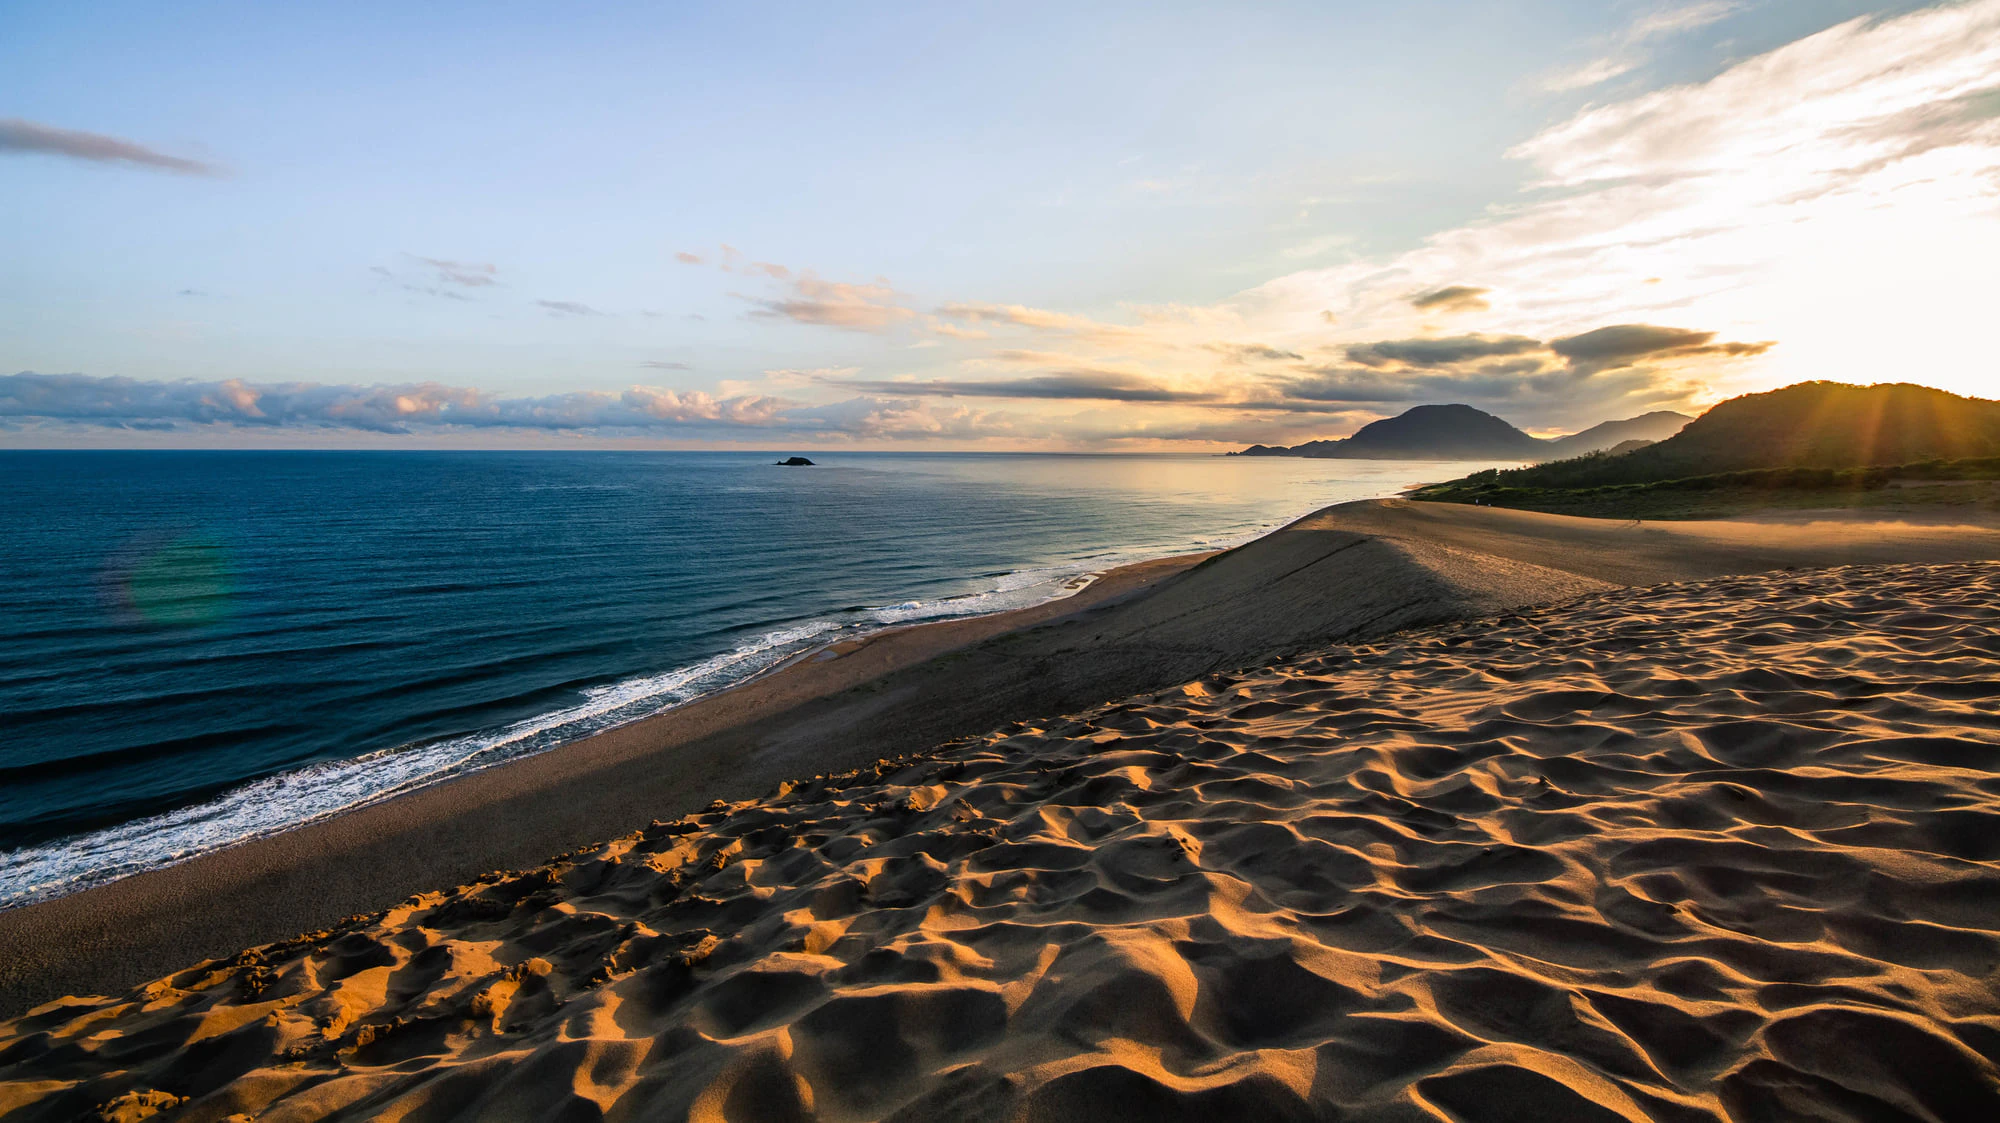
pixel 994 226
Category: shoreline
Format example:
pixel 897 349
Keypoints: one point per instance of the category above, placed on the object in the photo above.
pixel 1345 573
pixel 1595 859
pixel 805 677
pixel 1071 588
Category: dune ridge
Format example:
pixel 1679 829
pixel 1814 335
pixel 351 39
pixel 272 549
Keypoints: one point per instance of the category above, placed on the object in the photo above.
pixel 1347 573
pixel 1702 851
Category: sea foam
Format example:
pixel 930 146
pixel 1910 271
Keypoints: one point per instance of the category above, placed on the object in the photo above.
pixel 300 796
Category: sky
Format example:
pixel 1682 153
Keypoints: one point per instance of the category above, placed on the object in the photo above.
pixel 1052 226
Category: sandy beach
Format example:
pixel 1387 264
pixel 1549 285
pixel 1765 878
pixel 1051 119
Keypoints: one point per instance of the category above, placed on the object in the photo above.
pixel 1405 811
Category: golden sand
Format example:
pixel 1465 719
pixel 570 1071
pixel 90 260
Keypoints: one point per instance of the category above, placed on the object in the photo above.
pixel 1705 851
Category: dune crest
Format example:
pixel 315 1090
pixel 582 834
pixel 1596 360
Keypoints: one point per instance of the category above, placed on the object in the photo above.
pixel 1707 851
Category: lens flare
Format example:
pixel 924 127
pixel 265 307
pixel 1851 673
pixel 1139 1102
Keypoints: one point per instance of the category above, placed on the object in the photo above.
pixel 184 580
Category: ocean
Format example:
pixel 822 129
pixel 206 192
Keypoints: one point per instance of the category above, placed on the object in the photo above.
pixel 205 647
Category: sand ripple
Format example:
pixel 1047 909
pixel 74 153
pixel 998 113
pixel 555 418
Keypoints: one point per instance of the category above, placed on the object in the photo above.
pixel 1727 850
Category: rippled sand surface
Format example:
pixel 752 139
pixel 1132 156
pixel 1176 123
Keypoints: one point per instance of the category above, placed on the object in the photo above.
pixel 1727 850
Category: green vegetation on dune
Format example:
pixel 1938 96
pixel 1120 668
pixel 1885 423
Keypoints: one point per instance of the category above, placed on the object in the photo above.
pixel 1708 497
pixel 1810 425
pixel 1966 482
pixel 1815 444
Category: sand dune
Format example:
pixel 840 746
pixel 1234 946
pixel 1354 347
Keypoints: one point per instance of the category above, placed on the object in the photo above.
pixel 1350 572
pixel 1705 851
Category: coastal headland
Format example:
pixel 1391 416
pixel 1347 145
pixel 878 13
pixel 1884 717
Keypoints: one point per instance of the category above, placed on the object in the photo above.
pixel 1404 805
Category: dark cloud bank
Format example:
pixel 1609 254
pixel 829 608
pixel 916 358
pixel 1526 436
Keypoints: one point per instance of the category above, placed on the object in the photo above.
pixel 1068 385
pixel 1452 298
pixel 28 137
pixel 1588 371
pixel 131 403
pixel 1607 364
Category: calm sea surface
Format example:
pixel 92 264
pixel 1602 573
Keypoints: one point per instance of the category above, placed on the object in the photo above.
pixel 197 648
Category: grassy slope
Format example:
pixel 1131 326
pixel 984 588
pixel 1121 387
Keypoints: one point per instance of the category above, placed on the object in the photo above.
pixel 1809 445
pixel 1933 485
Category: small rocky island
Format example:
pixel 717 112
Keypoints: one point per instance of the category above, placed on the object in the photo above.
pixel 795 462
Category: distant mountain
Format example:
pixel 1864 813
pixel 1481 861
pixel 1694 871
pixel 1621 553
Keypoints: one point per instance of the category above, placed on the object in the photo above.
pixel 1453 432
pixel 1611 435
pixel 1460 432
pixel 1807 425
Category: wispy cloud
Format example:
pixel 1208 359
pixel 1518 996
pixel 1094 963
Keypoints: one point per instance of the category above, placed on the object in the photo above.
pixel 1631 48
pixel 808 298
pixel 856 307
pixel 1584 75
pixel 1452 298
pixel 953 331
pixel 1840 194
pixel 662 364
pixel 1041 320
pixel 436 276
pixel 1254 352
pixel 1068 385
pixel 28 137
pixel 468 274
pixel 566 308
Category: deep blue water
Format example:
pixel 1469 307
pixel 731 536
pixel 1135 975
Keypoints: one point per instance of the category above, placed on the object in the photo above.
pixel 199 647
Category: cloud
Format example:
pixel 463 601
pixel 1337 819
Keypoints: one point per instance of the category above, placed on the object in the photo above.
pixel 1679 20
pixel 953 331
pixel 436 276
pixel 1839 194
pixel 683 406
pixel 1315 247
pixel 1440 352
pixel 17 135
pixel 1628 50
pixel 1812 107
pixel 127 402
pixel 686 258
pixel 1254 352
pixel 429 407
pixel 856 307
pixel 1069 385
pixel 1624 366
pixel 469 274
pixel 1623 344
pixel 871 307
pixel 904 419
pixel 1244 429
pixel 1596 72
pixel 1505 385
pixel 1451 298
pixel 662 364
pixel 794 377
pixel 567 308
pixel 1042 320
